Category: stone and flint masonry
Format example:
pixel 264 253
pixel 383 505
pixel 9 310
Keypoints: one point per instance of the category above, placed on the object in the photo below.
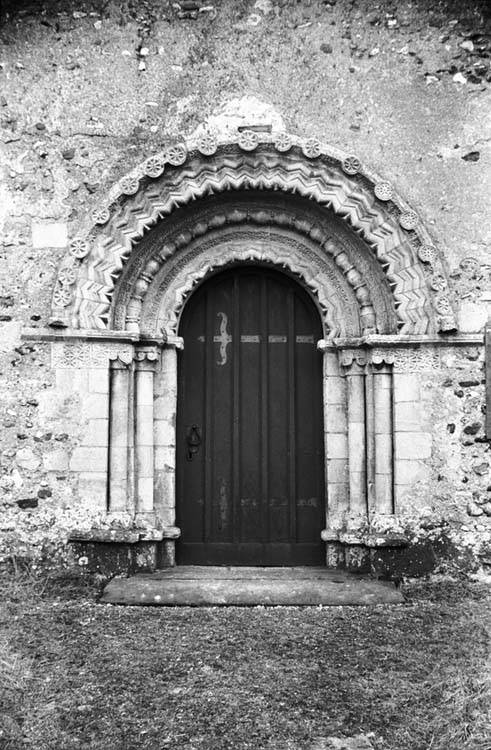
pixel 235 341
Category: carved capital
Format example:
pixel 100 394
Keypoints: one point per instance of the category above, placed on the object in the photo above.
pixel 353 359
pixel 147 357
pixel 121 360
pixel 381 357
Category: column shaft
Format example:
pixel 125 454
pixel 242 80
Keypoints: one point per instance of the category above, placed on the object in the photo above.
pixel 336 441
pixel 118 446
pixel 357 440
pixel 382 379
pixel 370 417
pixel 144 457
pixel 165 407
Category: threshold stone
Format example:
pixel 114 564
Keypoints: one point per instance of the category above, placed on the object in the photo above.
pixel 199 586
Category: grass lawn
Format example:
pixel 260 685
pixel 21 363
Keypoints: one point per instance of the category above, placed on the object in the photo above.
pixel 78 674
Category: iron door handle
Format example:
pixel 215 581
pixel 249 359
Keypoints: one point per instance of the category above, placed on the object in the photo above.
pixel 193 440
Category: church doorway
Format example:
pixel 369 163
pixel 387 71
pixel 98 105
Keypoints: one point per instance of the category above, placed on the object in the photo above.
pixel 250 449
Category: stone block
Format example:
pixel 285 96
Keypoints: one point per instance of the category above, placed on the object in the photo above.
pixel 95 406
pixel 336 418
pixel 337 494
pixel 164 432
pixel 98 380
pixel 89 459
pixel 164 488
pixel 26 459
pixel 70 381
pixel 406 387
pixel 92 488
pixel 407 472
pixel 331 365
pixel 408 417
pixel 167 514
pixel 165 457
pixel 10 335
pixel 337 470
pixel 334 390
pixel 337 445
pixel 164 407
pixel 472 317
pixel 96 433
pixel 57 460
pixel 412 445
pixel 52 234
pixel 415 560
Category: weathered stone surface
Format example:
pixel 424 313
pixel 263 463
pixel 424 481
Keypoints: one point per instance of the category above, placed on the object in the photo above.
pixel 63 149
pixel 190 585
pixel 359 742
pixel 416 560
pixel 27 459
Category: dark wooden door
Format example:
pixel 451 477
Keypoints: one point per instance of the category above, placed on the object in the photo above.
pixel 250 477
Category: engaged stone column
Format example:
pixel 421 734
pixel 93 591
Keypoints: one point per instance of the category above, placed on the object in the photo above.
pixel 165 407
pixel 383 428
pixel 355 379
pixel 336 442
pixel 119 404
pixel 144 447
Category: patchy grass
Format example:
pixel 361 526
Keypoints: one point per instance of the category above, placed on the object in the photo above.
pixel 77 674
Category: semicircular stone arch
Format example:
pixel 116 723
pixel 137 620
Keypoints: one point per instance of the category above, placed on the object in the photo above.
pixel 288 233
pixel 92 279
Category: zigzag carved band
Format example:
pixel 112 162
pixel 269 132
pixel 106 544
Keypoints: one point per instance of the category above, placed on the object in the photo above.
pixel 389 231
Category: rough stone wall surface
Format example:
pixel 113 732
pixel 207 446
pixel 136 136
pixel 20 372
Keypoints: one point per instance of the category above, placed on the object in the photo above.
pixel 89 90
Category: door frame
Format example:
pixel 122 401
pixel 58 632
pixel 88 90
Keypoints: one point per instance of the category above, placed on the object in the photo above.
pixel 267 271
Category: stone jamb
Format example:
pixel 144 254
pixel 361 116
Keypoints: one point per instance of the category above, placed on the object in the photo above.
pixel 398 362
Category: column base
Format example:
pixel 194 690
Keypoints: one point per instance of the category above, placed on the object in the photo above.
pixel 385 562
pixel 114 558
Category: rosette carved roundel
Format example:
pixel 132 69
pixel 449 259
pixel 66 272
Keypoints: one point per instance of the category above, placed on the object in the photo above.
pixel 394 238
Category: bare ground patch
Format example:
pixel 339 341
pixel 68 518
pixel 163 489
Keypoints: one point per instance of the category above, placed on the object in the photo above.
pixel 77 674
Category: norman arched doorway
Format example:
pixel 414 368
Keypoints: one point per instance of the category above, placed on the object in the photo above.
pixel 310 212
pixel 249 437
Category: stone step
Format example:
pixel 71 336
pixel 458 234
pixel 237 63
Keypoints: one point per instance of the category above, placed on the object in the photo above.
pixel 197 586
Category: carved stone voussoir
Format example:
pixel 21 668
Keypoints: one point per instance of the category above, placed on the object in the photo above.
pixel 292 261
pixel 238 164
pixel 167 296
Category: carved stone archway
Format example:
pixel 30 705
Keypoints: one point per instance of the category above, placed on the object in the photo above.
pixel 354 244
pixel 164 183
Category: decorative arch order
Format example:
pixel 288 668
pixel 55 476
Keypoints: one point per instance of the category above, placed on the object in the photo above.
pixel 391 233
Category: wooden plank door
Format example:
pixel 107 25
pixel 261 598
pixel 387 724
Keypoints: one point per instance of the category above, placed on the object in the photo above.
pixel 250 476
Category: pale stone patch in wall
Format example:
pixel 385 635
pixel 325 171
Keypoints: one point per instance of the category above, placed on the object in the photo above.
pixel 10 335
pixel 54 234
pixel 472 317
pixel 241 113
pixel 56 461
